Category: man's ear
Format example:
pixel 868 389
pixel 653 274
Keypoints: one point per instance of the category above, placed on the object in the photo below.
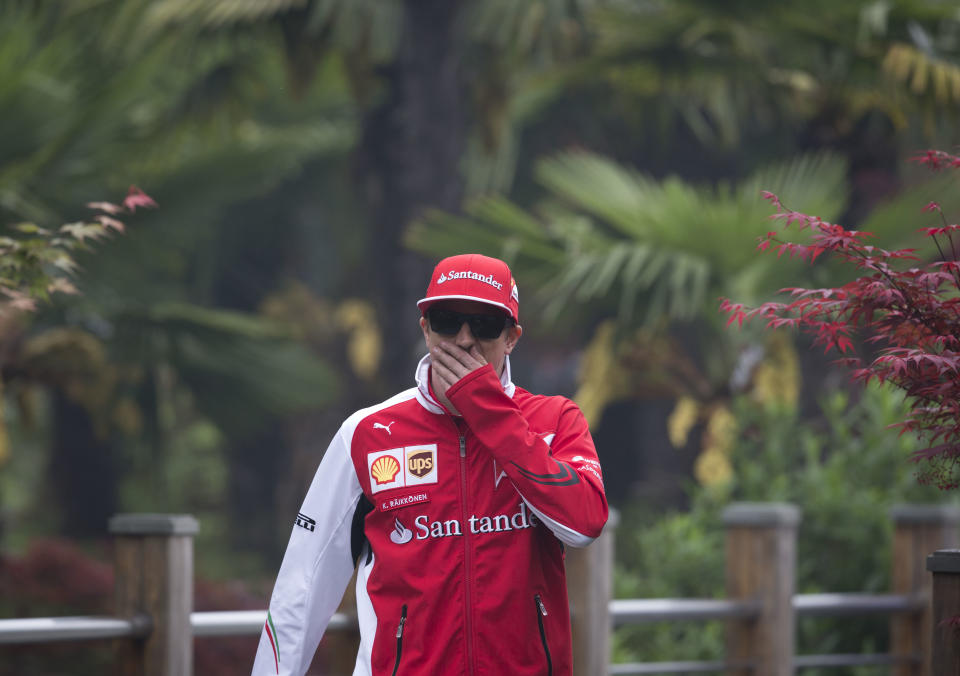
pixel 513 336
pixel 423 326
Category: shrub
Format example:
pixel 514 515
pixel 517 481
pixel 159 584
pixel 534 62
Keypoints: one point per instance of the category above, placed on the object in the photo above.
pixel 844 471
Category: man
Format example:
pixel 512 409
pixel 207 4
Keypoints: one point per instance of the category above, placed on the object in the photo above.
pixel 454 499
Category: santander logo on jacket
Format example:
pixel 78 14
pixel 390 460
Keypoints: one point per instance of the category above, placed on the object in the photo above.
pixel 456 528
pixel 501 523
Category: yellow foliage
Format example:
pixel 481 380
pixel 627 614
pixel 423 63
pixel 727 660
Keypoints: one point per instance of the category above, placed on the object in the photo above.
pixel 912 67
pixel 776 382
pixel 354 318
pixel 64 353
pixel 364 345
pixel 644 363
pixel 712 467
pixel 298 306
pixel 602 377
pixel 127 417
pixel 777 379
pixel 682 420
pixel 76 362
pixel 713 464
pixel 721 431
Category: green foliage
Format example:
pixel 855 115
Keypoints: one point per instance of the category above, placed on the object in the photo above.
pixel 844 471
pixel 216 13
pixel 241 370
pixel 86 106
pixel 677 556
pixel 369 29
pixel 239 116
pixel 540 32
pixel 611 235
pixel 95 94
pixel 39 262
pixel 720 70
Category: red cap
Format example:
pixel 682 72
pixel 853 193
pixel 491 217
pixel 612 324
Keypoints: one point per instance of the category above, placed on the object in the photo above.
pixel 473 277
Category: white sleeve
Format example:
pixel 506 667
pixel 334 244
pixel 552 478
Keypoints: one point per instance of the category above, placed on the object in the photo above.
pixel 316 567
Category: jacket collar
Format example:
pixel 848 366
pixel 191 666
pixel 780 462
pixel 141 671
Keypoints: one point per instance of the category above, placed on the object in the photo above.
pixel 427 400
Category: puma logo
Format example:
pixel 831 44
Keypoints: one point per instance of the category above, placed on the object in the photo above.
pixel 379 426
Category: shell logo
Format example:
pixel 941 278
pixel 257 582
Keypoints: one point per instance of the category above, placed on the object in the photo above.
pixel 385 469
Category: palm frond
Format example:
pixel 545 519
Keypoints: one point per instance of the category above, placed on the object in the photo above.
pixel 217 13
pixel 923 74
pixel 601 188
pixel 607 234
pixel 369 28
pixel 80 119
pixel 544 31
pixel 895 222
pixel 719 67
pixel 242 370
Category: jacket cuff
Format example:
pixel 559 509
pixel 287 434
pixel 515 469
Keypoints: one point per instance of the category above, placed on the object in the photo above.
pixel 485 371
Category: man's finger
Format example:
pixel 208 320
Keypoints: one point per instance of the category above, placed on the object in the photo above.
pixel 443 355
pixel 477 355
pixel 457 359
pixel 444 364
pixel 448 368
pixel 471 359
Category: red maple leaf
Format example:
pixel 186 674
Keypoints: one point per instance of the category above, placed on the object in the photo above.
pixel 137 198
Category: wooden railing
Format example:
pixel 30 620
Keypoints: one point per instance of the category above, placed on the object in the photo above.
pixel 153 597
pixel 761 607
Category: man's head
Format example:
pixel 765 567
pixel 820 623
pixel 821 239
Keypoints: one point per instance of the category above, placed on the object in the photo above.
pixel 472 300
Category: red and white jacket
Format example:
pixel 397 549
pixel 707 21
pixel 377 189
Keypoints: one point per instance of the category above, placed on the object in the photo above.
pixel 457 525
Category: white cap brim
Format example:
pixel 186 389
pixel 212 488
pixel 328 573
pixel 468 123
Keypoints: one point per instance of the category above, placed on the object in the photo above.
pixel 435 299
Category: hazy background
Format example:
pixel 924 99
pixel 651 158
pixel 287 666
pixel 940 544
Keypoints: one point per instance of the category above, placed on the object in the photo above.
pixel 312 159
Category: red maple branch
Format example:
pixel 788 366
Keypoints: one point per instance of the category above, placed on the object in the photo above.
pixel 911 313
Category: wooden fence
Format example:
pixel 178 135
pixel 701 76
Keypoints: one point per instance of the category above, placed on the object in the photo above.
pixel 761 605
pixel 154 615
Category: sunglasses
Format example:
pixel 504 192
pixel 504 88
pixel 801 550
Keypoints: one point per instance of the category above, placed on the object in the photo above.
pixel 484 327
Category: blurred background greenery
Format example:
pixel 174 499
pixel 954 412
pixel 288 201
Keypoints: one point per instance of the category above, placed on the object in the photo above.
pixel 313 158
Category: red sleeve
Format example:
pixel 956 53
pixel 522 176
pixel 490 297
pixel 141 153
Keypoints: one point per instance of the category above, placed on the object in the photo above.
pixel 558 478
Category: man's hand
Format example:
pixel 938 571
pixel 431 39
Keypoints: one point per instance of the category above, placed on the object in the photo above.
pixel 451 363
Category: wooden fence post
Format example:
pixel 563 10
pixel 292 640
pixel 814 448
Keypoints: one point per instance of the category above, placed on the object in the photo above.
pixel 761 560
pixel 590 588
pixel 945 634
pixel 153 576
pixel 917 531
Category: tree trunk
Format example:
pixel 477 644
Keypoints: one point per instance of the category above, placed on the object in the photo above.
pixel 408 160
pixel 256 467
pixel 82 471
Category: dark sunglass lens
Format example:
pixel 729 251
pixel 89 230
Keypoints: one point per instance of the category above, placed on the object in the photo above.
pixel 487 326
pixel 446 322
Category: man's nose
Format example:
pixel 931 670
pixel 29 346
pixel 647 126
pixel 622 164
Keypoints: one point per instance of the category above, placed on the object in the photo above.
pixel 465 337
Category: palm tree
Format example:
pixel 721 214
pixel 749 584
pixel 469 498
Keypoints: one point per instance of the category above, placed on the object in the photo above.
pixel 720 68
pixel 432 81
pixel 607 241
pixel 207 124
pixel 228 110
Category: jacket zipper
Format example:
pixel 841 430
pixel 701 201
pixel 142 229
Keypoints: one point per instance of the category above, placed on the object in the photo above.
pixel 541 613
pixel 466 550
pixel 403 621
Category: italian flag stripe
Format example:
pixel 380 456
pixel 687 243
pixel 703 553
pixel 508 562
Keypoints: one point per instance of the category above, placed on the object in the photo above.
pixel 272 635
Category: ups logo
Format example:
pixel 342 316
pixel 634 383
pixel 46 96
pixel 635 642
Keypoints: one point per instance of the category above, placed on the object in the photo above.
pixel 420 464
